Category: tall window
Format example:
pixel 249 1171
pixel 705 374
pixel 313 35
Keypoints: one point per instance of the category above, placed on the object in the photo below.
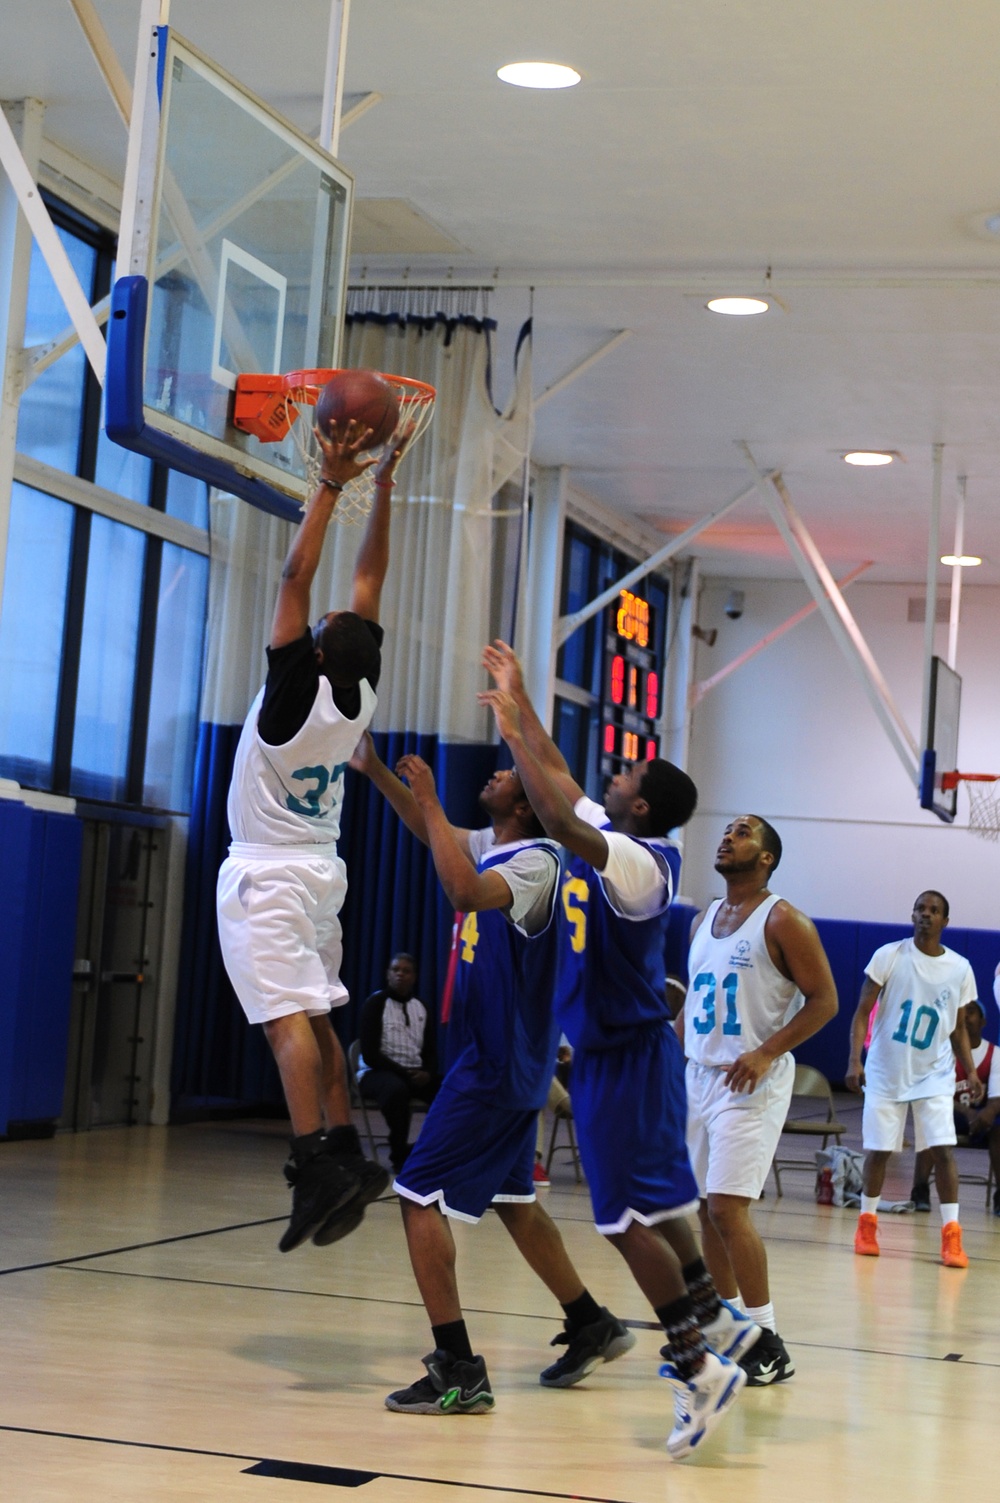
pixel 585 665
pixel 101 629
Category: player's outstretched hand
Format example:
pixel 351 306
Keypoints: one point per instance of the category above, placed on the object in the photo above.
pixel 854 1080
pixel 419 776
pixel 365 755
pixel 341 448
pixel 501 662
pixel 746 1073
pixel 386 467
pixel 505 711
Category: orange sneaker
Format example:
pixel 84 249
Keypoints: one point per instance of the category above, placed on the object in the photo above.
pixel 953 1254
pixel 866 1236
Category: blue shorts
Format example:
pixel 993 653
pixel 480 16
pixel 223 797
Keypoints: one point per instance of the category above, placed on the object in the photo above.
pixel 630 1109
pixel 469 1154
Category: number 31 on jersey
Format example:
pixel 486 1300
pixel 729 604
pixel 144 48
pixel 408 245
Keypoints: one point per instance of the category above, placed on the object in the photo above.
pixel 705 989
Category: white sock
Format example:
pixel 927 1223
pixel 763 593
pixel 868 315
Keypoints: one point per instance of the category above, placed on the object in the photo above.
pixel 763 1315
pixel 949 1212
pixel 869 1205
pixel 737 1304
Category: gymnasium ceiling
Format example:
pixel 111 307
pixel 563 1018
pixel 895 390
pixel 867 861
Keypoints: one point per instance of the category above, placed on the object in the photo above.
pixel 853 149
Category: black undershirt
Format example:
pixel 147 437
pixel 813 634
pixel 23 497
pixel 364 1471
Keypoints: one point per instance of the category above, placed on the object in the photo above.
pixel 291 684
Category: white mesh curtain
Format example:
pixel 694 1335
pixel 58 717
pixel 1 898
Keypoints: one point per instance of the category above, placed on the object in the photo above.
pixel 446 540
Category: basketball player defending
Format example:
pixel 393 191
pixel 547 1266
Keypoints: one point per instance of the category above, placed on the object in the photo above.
pixel 628 1069
pixel 282 886
pixel 753 960
pixel 919 1030
pixel 477 1145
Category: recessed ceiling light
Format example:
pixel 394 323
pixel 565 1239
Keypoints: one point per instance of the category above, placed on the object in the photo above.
pixel 539 75
pixel 737 307
pixel 961 560
pixel 868 457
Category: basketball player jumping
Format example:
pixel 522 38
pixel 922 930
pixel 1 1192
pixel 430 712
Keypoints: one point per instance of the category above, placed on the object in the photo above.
pixel 282 886
pixel 477 1145
pixel 753 960
pixel 628 1069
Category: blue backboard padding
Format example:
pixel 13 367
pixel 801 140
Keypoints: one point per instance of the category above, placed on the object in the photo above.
pixel 125 417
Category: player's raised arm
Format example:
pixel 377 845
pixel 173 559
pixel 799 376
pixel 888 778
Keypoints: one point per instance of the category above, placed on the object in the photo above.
pixel 372 562
pixel 546 788
pixel 468 890
pixel 396 793
pixel 802 959
pixel 504 667
pixel 855 1077
pixel 340 464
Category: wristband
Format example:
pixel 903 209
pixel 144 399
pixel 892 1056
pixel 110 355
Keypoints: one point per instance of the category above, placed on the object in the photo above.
pixel 331 485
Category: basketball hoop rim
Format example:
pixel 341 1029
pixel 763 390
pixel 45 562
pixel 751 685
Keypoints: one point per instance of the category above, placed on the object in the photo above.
pixel 950 780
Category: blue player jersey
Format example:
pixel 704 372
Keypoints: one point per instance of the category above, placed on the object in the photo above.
pixel 502 1035
pixel 611 972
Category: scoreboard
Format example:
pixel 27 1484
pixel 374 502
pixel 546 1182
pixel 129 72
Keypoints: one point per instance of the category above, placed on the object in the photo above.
pixel 631 683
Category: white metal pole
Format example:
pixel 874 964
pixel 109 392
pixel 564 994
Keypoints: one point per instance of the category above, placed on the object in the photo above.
pixel 675 719
pixel 543 576
pixel 930 607
pixel 137 190
pixel 333 81
pixel 568 624
pixel 577 370
pixel 956 574
pixel 15 263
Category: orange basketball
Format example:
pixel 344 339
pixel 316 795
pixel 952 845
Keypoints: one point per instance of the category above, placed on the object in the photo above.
pixel 364 397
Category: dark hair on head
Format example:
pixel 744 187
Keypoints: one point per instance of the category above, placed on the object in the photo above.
pixel 769 839
pixel 932 892
pixel 404 955
pixel 350 652
pixel 671 795
pixel 978 1006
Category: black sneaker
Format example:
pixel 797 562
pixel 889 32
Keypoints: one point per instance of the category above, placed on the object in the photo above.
pixel 602 1341
pixel 920 1195
pixel 767 1361
pixel 451 1387
pixel 320 1188
pixel 343 1146
pixel 996 1202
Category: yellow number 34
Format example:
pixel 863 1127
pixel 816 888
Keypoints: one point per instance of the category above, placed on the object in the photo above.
pixel 574 892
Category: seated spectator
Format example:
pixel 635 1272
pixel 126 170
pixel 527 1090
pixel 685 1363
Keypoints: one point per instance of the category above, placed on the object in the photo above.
pixel 558 1103
pixel 978 1124
pixel 397 1064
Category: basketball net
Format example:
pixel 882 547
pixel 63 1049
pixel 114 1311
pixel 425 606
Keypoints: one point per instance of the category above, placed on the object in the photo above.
pixel 983 789
pixel 271 407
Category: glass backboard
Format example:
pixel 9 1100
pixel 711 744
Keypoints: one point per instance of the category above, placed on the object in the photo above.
pixel 248 238
pixel 941 753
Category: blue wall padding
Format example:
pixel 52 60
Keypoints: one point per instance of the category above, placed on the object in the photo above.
pixel 39 891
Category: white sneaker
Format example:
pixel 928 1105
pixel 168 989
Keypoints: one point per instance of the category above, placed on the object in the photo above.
pixel 731 1333
pixel 700 1403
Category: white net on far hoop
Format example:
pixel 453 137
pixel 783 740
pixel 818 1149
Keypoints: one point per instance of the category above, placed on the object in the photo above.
pixel 984 804
pixel 416 405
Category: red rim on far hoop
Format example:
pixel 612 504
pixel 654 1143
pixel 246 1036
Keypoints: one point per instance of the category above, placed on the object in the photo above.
pixel 271 407
pixel 984 800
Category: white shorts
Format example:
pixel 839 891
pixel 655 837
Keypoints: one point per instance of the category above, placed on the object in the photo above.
pixel 883 1120
pixel 280 933
pixel 731 1135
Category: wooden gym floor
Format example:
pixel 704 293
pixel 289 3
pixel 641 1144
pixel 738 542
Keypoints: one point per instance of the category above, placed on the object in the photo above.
pixel 156 1346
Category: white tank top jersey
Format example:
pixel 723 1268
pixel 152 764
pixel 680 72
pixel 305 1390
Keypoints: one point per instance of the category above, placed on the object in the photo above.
pixel 737 998
pixel 292 795
pixel 910 1055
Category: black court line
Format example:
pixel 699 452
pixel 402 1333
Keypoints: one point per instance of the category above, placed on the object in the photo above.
pixel 634 1325
pixel 111 1252
pixel 295 1471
